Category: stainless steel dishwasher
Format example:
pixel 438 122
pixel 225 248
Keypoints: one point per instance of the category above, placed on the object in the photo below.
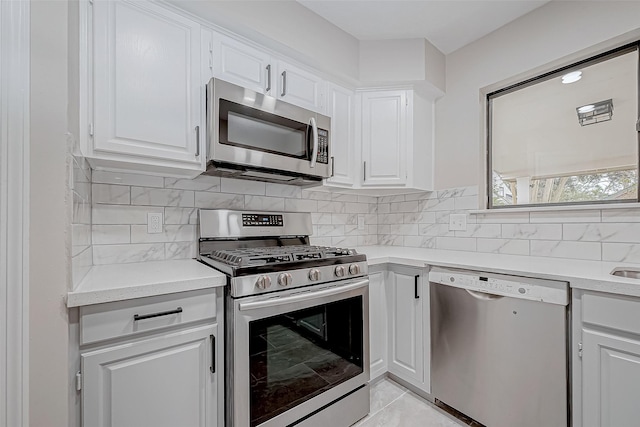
pixel 499 347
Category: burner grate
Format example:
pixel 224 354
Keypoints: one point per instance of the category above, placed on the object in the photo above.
pixel 278 254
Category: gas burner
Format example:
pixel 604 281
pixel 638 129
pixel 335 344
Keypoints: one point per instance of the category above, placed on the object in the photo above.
pixel 268 255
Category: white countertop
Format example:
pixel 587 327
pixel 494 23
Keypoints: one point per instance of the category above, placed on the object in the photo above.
pixel 589 275
pixel 117 282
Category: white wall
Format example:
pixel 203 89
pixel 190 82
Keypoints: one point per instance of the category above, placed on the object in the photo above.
pixel 554 31
pixel 50 217
pixel 288 23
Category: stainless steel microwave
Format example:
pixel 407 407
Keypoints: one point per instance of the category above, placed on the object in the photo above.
pixel 255 136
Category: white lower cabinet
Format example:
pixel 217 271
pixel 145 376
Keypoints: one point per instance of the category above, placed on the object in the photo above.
pixel 610 371
pixel 377 324
pixel 409 325
pixel 171 375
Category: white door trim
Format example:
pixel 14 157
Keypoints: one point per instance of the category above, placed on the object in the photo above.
pixel 14 212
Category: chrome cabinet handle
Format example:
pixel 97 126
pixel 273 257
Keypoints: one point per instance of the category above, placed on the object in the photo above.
pixel 197 141
pixel 314 136
pixel 364 171
pixel 303 296
pixel 284 83
pixel 333 166
pixel 268 78
pixel 137 317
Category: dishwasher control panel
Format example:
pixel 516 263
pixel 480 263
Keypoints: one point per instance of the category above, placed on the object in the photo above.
pixel 550 291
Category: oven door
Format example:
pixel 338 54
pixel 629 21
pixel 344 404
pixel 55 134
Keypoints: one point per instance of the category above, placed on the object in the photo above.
pixel 251 129
pixel 295 352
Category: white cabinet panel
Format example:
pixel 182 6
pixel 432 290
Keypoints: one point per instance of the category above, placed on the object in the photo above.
pixel 301 88
pixel 147 85
pixel 377 324
pixel 161 381
pixel 384 137
pixel 242 64
pixel 409 328
pixel 610 380
pixel 341 110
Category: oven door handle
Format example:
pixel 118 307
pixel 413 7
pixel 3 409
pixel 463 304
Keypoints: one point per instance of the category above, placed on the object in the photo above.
pixel 306 296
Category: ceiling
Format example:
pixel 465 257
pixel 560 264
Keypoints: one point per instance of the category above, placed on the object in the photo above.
pixel 447 24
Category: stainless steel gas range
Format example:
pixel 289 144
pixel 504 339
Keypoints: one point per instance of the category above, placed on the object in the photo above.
pixel 297 321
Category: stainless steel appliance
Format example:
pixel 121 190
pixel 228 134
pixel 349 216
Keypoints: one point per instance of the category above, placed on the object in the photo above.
pixel 297 321
pixel 255 136
pixel 499 347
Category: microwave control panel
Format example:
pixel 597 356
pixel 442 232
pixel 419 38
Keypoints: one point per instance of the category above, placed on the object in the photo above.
pixel 323 146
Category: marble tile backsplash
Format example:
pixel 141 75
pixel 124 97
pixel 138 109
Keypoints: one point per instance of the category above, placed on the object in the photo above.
pixel 81 250
pixel 422 220
pixel 122 201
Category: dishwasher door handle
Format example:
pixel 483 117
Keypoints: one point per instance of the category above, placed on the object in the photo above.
pixel 483 296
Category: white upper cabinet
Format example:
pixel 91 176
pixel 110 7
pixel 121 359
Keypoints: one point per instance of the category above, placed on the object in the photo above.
pixel 241 64
pixel 300 87
pixel 147 94
pixel 385 137
pixel 396 132
pixel 341 108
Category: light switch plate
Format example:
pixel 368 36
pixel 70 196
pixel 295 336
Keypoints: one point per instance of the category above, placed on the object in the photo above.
pixel 457 222
pixel 361 222
pixel 154 222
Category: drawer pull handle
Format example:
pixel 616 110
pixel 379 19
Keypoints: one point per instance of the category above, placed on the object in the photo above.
pixel 415 287
pixel 137 317
pixel 213 354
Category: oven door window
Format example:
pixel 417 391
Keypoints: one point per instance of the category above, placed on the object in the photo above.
pixel 247 127
pixel 298 355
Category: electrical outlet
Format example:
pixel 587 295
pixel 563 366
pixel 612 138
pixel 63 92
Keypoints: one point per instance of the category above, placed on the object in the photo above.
pixel 457 222
pixel 154 222
pixel 361 224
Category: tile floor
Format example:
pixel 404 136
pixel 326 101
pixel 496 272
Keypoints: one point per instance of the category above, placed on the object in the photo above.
pixel 394 406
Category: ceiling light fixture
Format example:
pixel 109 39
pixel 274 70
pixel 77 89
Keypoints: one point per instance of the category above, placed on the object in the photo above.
pixel 595 113
pixel 572 77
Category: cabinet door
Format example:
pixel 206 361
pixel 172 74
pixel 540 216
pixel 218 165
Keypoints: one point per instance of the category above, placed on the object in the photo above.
pixel 406 324
pixel 147 85
pixel 301 88
pixel 384 138
pixel 377 324
pixel 242 64
pixel 161 381
pixel 341 111
pixel 610 380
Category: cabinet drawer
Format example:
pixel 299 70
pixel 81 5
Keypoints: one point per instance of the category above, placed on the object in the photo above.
pixel 616 312
pixel 118 319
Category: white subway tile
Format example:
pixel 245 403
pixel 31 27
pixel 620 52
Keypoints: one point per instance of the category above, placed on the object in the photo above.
pixel 503 246
pixel 340 197
pixel 170 233
pixel 503 217
pixel 122 214
pixel 480 230
pixel 344 241
pixel 532 231
pixel 174 215
pixel 282 190
pixel 390 240
pixel 333 207
pixel 301 205
pixel 142 196
pixel 566 216
pixel 121 254
pixel 180 250
pixel 315 195
pixel 621 215
pixel 330 230
pixel 601 232
pixel 384 208
pixel 447 204
pixel 420 241
pixel 391 199
pixel 393 218
pixel 111 194
pixel 121 178
pixel 368 240
pixel 242 186
pixel 423 195
pixel 199 183
pixel 262 203
pixel 362 208
pixel 565 249
pixel 344 219
pixel 402 207
pixel 367 199
pixel 466 203
pixel 456 243
pixel 111 234
pixel 435 230
pixel 80 265
pixel 621 252
pixel 318 218
pixel 206 200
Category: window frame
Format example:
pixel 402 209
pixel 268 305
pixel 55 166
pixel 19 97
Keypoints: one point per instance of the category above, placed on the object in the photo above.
pixel 574 66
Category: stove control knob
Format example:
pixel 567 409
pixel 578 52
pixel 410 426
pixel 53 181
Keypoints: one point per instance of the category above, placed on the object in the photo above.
pixel 314 274
pixel 263 282
pixel 340 271
pixel 354 269
pixel 284 279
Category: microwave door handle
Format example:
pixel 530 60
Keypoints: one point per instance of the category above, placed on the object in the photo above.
pixel 314 136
